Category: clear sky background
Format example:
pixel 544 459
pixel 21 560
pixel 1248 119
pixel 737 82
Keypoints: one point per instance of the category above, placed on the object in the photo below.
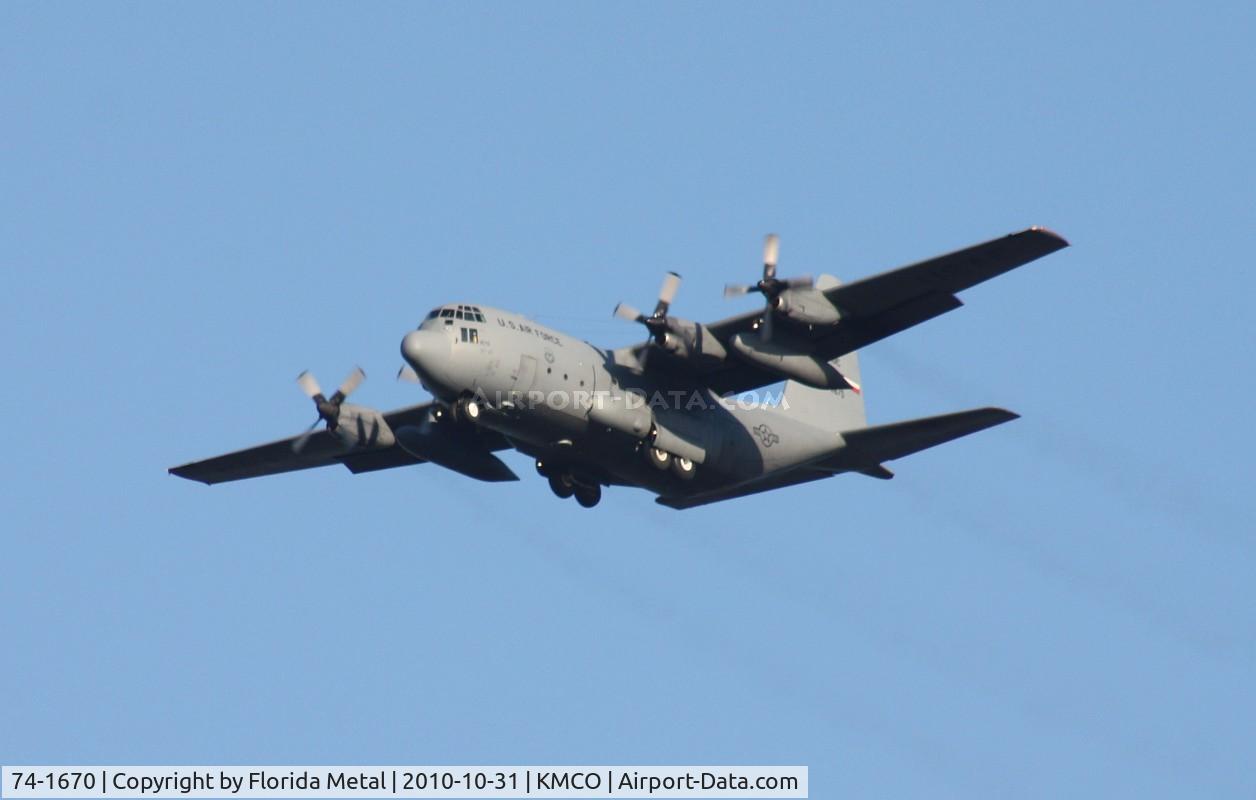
pixel 198 202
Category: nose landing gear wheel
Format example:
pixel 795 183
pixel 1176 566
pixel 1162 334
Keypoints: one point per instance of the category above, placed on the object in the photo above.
pixel 659 459
pixel 684 468
pixel 562 486
pixel 468 409
pixel 588 496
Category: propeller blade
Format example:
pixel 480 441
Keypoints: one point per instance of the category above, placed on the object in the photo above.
pixel 765 332
pixel 407 374
pixel 630 313
pixel 801 282
pixel 771 249
pixel 309 385
pixel 667 293
pixel 351 383
pixel 299 444
pixel 736 290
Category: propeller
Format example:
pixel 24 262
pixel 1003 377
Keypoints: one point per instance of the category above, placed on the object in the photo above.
pixel 655 323
pixel 328 407
pixel 769 286
pixel 407 374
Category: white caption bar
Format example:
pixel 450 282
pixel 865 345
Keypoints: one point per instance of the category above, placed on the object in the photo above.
pixel 419 782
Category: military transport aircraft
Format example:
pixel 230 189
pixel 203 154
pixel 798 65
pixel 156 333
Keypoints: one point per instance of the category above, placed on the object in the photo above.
pixel 667 415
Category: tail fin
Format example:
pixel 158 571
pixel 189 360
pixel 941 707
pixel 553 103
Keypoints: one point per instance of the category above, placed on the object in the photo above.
pixel 833 410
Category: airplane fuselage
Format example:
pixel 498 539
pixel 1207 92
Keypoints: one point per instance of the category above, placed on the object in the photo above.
pixel 572 406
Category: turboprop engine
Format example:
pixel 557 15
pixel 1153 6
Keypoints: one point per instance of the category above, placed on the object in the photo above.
pixel 356 426
pixel 807 306
pixel 678 338
pixel 692 341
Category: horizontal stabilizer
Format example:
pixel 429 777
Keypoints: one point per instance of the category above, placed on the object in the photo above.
pixel 879 472
pixel 778 481
pixel 866 448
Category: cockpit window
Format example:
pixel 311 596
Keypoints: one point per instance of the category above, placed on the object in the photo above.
pixel 463 312
pixel 470 313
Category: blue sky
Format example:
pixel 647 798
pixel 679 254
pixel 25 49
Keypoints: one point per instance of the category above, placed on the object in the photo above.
pixel 201 201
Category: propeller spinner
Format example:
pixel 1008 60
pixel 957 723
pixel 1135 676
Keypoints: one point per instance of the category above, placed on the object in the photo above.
pixel 656 323
pixel 769 286
pixel 328 407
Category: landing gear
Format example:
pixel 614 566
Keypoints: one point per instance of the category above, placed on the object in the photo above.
pixel 588 496
pixel 467 409
pixel 684 468
pixel 659 459
pixel 562 485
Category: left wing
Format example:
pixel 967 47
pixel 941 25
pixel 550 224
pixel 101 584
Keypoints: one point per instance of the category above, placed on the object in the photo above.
pixel 881 305
pixel 323 449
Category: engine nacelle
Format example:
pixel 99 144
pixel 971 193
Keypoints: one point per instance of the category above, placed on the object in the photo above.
pixel 806 307
pixel 778 357
pixel 359 426
pixel 693 342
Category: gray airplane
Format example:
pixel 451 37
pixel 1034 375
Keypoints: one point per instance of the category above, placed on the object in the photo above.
pixel 670 415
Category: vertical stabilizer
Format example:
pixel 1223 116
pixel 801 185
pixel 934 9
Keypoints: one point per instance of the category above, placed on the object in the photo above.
pixel 834 410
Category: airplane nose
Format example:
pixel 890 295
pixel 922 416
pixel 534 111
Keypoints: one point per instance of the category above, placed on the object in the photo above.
pixel 412 346
pixel 423 350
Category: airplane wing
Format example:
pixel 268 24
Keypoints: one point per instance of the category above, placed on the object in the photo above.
pixel 882 305
pixel 322 449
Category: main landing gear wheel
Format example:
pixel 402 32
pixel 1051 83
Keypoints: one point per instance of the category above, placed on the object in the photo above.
pixel 562 486
pixel 684 468
pixel 659 459
pixel 588 496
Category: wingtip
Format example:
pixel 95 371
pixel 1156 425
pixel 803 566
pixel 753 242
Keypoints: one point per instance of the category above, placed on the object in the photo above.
pixel 1050 234
pixel 181 471
pixel 1002 415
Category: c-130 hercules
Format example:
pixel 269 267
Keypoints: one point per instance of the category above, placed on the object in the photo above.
pixel 659 415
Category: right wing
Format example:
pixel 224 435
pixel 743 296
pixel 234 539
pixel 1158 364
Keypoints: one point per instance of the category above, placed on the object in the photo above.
pixel 323 449
pixel 881 305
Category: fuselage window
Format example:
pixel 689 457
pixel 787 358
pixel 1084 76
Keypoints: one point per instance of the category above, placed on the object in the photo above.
pixel 447 312
pixel 475 336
